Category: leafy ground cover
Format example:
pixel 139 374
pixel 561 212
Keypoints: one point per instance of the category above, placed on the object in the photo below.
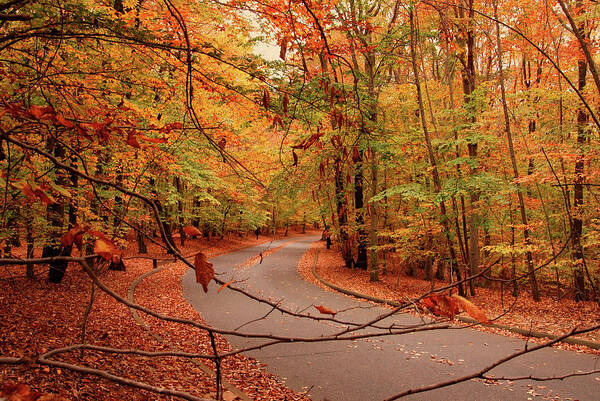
pixel 38 316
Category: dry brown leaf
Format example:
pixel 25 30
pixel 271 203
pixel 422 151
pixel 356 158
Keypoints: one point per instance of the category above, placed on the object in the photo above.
pixel 441 305
pixel 325 310
pixel 191 231
pixel 204 270
pixel 472 310
pixel 73 236
pixel 105 247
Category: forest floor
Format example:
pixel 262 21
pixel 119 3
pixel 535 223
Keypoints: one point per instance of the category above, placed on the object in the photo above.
pixel 38 316
pixel 548 315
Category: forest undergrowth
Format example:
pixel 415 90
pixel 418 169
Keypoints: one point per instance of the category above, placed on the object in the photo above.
pixel 54 313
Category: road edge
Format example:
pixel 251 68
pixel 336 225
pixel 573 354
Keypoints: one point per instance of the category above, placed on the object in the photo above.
pixel 517 330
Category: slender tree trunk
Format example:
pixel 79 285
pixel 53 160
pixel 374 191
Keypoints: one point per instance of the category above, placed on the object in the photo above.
pixel 374 262
pixel 528 256
pixel 140 239
pixel 179 186
pixel 30 242
pixel 361 258
pixel 342 212
pixel 55 215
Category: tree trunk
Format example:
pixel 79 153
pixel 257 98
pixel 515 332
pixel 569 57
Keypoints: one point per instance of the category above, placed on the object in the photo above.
pixel 342 210
pixel 55 215
pixel 30 242
pixel 374 260
pixel 179 186
pixel 361 258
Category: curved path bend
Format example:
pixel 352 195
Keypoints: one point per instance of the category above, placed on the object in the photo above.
pixel 377 368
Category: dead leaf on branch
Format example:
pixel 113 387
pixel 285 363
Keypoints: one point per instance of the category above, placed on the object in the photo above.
pixel 191 231
pixel 132 140
pixel 441 305
pixel 266 98
pixel 41 112
pixel 471 309
pixel 204 270
pixel 152 140
pixel 450 306
pixel 104 247
pixel 60 119
pixel 73 236
pixel 34 192
pixel 325 310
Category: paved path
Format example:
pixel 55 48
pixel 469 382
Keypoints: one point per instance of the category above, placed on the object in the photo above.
pixel 377 368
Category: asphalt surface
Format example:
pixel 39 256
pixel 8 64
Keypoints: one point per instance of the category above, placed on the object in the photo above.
pixel 376 368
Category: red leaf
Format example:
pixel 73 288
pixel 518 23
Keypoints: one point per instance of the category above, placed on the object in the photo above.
pixel 73 236
pixel 325 310
pixel 169 127
pixel 22 392
pixel 204 270
pixel 153 140
pixel 25 189
pixel 132 140
pixel 41 112
pixel 104 246
pixel 283 48
pixel 222 143
pixel 441 305
pixel 356 154
pixel 34 192
pixel 83 132
pixel 64 122
pixel 42 195
pixel 266 99
pixel 191 231
pixel 101 130
pixel 285 102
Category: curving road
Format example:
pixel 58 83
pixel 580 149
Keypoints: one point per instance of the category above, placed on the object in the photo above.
pixel 377 368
